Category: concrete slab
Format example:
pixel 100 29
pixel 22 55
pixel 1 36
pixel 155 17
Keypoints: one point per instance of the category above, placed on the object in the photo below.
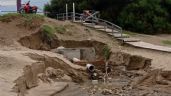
pixel 71 53
pixel 79 53
pixel 88 54
pixel 119 35
pixel 129 39
pixel 108 30
pixel 99 27
pixel 46 89
pixel 150 46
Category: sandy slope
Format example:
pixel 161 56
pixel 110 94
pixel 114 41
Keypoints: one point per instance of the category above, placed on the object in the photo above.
pixel 12 58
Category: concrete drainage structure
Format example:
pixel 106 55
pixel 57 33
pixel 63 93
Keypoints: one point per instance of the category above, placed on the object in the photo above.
pixel 87 51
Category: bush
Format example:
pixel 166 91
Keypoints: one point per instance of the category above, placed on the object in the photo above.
pixel 48 32
pixel 106 52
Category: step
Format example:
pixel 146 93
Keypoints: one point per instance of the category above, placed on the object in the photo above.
pixel 119 35
pixel 87 23
pixel 129 39
pixel 108 30
pixel 99 27
pixel 77 21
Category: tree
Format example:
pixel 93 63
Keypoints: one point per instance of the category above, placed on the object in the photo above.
pixel 110 9
pixel 145 16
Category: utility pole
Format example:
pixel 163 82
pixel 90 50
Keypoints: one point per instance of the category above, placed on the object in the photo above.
pixel 73 12
pixel 66 11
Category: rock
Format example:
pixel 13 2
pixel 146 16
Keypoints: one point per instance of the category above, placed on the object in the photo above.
pixel 46 89
pixel 107 92
pixel 119 58
pixel 66 77
pixel 94 82
pixel 54 73
pixel 138 62
pixel 131 62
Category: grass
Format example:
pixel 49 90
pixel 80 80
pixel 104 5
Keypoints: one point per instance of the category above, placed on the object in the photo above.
pixel 130 33
pixel 167 42
pixel 60 29
pixel 9 17
pixel 106 52
pixel 33 16
pixel 32 21
pixel 48 31
pixel 69 26
pixel 28 20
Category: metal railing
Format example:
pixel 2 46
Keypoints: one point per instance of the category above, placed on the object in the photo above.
pixel 93 20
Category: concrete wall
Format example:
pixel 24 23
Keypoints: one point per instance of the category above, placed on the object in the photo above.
pixel 88 54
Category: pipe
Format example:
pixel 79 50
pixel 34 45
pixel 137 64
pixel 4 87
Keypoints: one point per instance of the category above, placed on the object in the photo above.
pixel 90 67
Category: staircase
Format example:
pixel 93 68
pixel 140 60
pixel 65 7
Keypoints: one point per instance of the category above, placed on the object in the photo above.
pixel 99 24
pixel 110 28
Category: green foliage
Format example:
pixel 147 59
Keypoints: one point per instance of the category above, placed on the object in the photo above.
pixel 32 20
pixel 167 42
pixel 145 16
pixel 109 9
pixel 8 17
pixel 130 33
pixel 48 32
pixel 106 52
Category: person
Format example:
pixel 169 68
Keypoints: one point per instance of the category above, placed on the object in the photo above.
pixel 27 6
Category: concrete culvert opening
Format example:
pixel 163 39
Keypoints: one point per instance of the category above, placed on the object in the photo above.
pixel 84 52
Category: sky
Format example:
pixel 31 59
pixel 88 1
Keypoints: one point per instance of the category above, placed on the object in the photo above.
pixel 10 5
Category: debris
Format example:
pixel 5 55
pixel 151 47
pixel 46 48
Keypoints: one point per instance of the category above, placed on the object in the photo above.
pixel 107 92
pixel 76 60
pixel 152 78
pixel 94 82
pixel 66 77
pixel 54 73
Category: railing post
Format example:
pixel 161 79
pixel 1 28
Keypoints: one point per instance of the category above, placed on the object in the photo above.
pixel 105 26
pixel 112 29
pixel 92 21
pixel 57 17
pixel 66 11
pixel 63 17
pixel 73 12
pixel 81 18
pixel 121 33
